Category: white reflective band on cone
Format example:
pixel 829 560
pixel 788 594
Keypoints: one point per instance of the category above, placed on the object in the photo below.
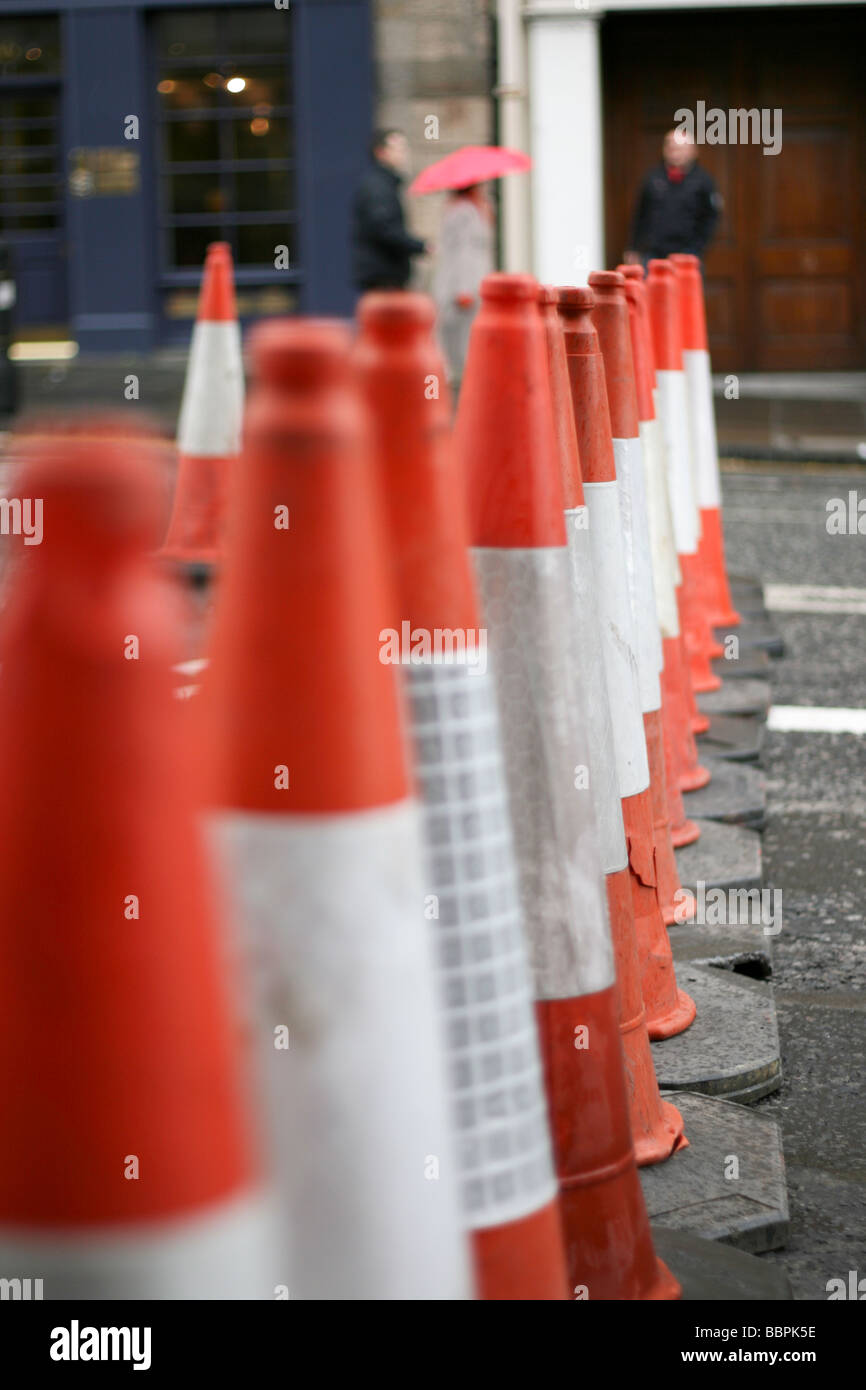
pixel 702 423
pixel 674 416
pixel 628 456
pixel 225 1251
pixel 528 607
pixel 666 493
pixel 602 752
pixel 617 636
pixel 663 553
pixel 334 910
pixel 497 1088
pixel 212 408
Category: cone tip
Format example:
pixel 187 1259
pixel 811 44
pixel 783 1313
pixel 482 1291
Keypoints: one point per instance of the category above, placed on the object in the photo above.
pixel 684 260
pixel 504 285
pixel 580 295
pixel 396 309
pixel 279 347
pixel 576 297
pixel 98 481
pixel 606 279
pixel 217 302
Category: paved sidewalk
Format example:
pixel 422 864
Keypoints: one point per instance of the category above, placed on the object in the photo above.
pixel 101 382
pixel 783 415
pixel 793 415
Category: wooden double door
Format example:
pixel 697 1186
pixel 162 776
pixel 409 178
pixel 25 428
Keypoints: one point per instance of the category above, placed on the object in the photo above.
pixel 785 279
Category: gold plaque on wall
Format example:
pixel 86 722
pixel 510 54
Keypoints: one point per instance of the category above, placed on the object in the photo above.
pixel 110 172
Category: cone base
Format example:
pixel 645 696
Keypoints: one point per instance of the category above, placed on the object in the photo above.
pixel 729 618
pixel 675 1020
pixel 667 1139
pixel 666 1287
pixel 657 1128
pixel 697 777
pixel 702 684
pixel 686 833
pixel 699 723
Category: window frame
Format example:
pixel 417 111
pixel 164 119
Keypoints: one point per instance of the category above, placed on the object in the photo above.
pixel 23 84
pixel 169 275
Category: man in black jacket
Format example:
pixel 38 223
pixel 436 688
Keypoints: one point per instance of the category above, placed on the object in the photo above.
pixel 383 248
pixel 678 205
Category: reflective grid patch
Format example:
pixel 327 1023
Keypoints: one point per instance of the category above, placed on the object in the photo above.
pixel 499 1107
pixel 528 602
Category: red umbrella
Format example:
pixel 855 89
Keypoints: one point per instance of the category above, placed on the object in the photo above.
pixel 472 164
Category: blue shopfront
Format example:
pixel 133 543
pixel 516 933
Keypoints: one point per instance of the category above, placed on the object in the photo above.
pixel 132 135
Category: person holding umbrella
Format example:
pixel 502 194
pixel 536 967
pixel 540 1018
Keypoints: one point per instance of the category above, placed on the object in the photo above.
pixel 466 255
pixel 466 244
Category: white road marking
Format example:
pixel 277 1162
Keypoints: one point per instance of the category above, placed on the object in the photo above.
pixel 812 719
pixel 746 512
pixel 813 598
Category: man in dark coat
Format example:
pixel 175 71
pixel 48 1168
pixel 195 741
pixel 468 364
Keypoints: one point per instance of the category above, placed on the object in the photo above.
pixel 383 249
pixel 678 205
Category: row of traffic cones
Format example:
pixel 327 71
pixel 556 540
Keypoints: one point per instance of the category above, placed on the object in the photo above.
pixel 442 742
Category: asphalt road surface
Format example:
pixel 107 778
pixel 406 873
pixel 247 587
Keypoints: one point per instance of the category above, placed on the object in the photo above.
pixel 815 850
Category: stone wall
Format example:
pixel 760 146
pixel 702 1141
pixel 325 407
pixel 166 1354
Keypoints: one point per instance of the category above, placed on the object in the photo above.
pixel 435 64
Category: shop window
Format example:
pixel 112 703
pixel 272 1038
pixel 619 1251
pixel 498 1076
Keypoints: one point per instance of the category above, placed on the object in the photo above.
pixel 224 100
pixel 31 194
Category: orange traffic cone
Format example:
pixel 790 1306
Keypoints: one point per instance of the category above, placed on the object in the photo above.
pixel 694 422
pixel 611 318
pixel 126 1170
pixel 657 1127
pixel 510 1199
pixel 506 445
pixel 669 1010
pixel 685 719
pixel 667 395
pixel 318 821
pixel 696 363
pixel 209 428
pixel 676 729
pixel 663 300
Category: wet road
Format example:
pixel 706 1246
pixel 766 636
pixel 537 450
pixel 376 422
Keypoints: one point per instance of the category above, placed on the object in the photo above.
pixel 815 852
